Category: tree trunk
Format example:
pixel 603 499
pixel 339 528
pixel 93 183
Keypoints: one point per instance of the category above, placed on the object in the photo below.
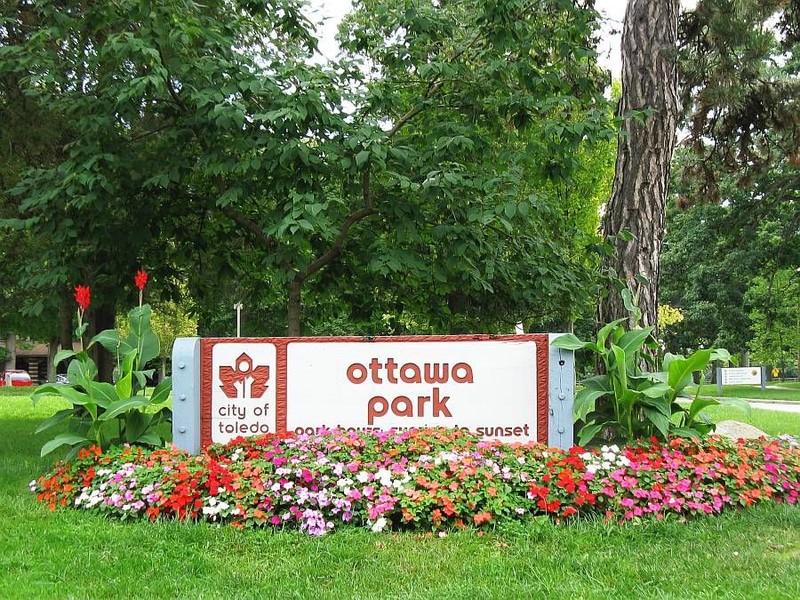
pixel 641 181
pixel 52 350
pixel 104 317
pixel 11 349
pixel 66 333
pixel 295 296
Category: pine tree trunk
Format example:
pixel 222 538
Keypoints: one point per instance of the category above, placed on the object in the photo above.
pixel 641 182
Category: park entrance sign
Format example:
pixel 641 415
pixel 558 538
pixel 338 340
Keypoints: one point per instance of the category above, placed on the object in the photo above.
pixel 514 388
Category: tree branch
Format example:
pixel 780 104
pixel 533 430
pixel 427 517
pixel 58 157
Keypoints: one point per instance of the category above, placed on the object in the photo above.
pixel 338 243
pixel 250 226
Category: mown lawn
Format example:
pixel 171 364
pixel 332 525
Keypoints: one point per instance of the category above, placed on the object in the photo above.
pixel 66 554
pixel 774 391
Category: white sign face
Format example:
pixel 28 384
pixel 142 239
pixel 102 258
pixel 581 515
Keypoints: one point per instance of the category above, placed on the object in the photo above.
pixel 487 387
pixel 741 375
pixel 242 390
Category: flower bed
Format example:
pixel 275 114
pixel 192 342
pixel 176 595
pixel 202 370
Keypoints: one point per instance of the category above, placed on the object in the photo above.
pixel 432 479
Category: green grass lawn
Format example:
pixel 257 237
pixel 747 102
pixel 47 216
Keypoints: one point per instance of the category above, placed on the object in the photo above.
pixel 772 422
pixel 774 391
pixel 68 554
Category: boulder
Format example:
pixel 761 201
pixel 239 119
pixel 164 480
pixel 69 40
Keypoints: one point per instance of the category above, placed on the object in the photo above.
pixel 736 430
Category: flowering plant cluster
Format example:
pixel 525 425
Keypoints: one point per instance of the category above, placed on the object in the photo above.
pixel 433 479
pixel 105 413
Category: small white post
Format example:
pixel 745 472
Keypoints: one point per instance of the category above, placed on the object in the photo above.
pixel 238 306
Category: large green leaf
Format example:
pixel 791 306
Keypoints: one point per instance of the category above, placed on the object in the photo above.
pixel 69 439
pixel 44 390
pixel 82 371
pixel 620 368
pixel 124 386
pixel 151 438
pixel 632 341
pixel 722 355
pixel 136 423
pixel 681 369
pixel 139 319
pixel 656 390
pixel 697 405
pixel 658 404
pixel 588 432
pixel 161 392
pixel 63 355
pixel 103 393
pixel 657 418
pixel 584 402
pixel 668 358
pixel 606 330
pixel 687 432
pixel 569 341
pixel 73 395
pixel 57 418
pixel 149 347
pixel 111 341
pixel 124 405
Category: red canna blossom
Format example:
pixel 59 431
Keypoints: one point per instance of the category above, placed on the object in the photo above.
pixel 141 279
pixel 83 296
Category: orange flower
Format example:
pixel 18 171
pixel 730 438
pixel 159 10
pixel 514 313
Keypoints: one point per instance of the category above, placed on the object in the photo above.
pixel 482 517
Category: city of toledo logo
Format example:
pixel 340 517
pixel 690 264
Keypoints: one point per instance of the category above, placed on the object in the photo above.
pixel 243 380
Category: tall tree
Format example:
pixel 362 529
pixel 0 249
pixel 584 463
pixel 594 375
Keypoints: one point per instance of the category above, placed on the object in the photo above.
pixel 407 159
pixel 634 217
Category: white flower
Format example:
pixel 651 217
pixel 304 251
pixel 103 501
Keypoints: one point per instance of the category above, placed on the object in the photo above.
pixel 442 534
pixel 384 476
pixel 379 525
pixel 363 476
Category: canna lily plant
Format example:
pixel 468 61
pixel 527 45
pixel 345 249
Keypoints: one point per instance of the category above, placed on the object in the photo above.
pixel 106 414
pixel 627 402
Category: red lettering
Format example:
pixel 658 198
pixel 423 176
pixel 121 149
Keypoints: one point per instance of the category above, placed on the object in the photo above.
pixel 373 410
pixel 375 367
pixel 415 375
pixel 408 411
pixel 436 373
pixel 440 404
pixel 421 400
pixel 466 373
pixel 390 367
pixel 357 373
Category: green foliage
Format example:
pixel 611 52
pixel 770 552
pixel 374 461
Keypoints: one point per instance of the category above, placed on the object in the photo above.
pixel 626 402
pixel 775 319
pixel 740 289
pixel 738 65
pixel 436 170
pixel 106 414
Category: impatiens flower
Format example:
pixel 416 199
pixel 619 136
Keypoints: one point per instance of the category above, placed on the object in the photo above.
pixel 141 279
pixel 83 296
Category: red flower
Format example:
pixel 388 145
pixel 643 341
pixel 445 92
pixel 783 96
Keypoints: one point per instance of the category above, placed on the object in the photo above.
pixel 83 296
pixel 141 279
